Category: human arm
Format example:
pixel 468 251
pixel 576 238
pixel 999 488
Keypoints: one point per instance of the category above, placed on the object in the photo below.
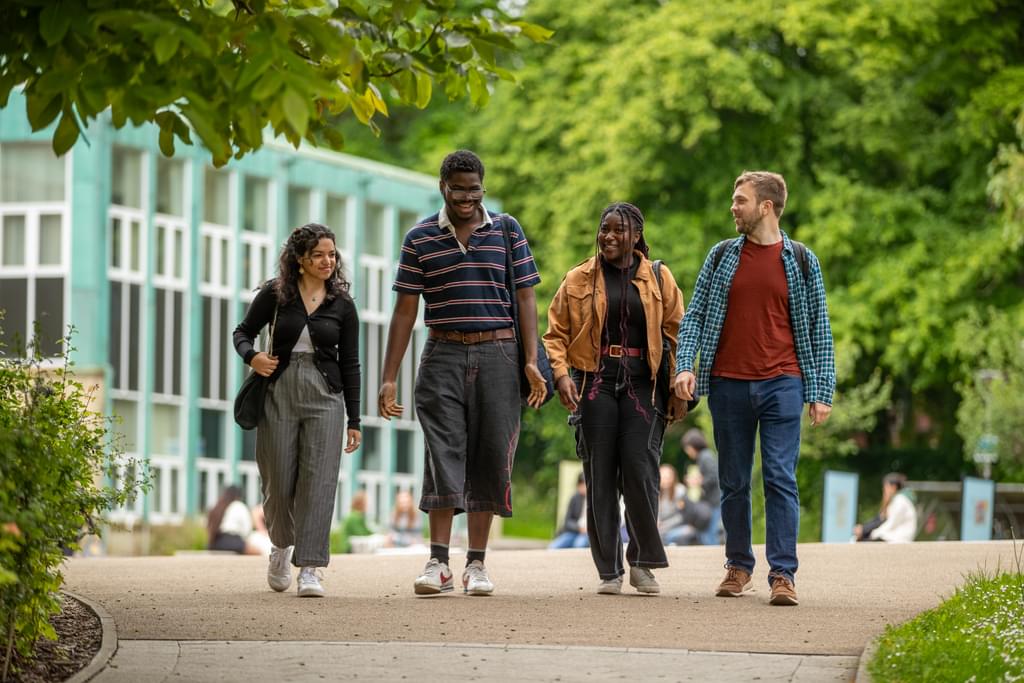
pixel 403 319
pixel 556 343
pixel 527 303
pixel 691 328
pixel 258 316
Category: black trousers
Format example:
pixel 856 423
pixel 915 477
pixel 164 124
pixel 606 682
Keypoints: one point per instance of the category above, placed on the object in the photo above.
pixel 619 434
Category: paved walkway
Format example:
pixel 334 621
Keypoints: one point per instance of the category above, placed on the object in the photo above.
pixel 207 618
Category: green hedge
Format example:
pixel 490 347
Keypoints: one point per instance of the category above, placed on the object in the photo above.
pixel 55 455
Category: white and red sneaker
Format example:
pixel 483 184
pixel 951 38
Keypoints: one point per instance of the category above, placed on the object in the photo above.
pixel 436 578
pixel 475 580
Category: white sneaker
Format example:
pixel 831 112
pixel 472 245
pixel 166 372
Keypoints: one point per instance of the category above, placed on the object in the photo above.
pixel 475 580
pixel 308 583
pixel 610 586
pixel 642 579
pixel 436 578
pixel 279 572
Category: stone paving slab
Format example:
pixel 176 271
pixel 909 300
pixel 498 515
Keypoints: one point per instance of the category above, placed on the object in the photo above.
pixel 248 661
pixel 848 594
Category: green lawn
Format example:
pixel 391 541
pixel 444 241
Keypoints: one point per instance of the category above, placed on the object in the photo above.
pixel 976 635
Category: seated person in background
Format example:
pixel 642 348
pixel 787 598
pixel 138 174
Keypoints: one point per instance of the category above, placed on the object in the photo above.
pixel 695 445
pixel 897 520
pixel 259 538
pixel 406 522
pixel 573 533
pixel 670 490
pixel 229 523
pixel 355 523
pixel 693 514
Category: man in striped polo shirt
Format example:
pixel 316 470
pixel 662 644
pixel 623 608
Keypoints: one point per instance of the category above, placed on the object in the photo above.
pixel 467 384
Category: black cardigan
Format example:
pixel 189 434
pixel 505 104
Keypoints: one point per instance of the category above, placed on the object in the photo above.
pixel 333 329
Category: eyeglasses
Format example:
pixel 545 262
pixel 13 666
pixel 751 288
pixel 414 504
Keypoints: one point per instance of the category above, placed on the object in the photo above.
pixel 461 195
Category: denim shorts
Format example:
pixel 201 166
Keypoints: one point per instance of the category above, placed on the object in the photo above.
pixel 467 401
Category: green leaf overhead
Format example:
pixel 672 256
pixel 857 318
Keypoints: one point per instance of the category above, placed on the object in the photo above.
pixel 231 69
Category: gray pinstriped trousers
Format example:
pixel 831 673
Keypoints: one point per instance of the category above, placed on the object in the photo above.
pixel 298 452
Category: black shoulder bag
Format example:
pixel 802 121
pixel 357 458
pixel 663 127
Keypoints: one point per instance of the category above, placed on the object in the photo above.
pixel 543 364
pixel 253 392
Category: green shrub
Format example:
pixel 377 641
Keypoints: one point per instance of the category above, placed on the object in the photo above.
pixel 54 455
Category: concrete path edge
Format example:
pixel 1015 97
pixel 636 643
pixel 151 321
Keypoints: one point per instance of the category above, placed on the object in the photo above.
pixel 108 640
pixel 863 675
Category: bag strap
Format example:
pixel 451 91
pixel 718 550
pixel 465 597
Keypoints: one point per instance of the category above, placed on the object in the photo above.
pixel 273 326
pixel 510 279
pixel 656 267
pixel 799 250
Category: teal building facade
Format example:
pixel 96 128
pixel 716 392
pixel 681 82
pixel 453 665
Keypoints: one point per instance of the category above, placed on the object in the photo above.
pixel 154 261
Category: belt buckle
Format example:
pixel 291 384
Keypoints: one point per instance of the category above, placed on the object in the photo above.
pixel 615 351
pixel 468 336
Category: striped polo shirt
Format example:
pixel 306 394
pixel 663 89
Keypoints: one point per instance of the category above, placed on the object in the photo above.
pixel 464 290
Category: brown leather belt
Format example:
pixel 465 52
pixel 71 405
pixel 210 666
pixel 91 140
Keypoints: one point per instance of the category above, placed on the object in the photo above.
pixel 457 337
pixel 616 351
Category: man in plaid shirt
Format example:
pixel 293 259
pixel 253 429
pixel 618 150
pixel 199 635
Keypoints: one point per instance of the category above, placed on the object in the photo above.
pixel 759 321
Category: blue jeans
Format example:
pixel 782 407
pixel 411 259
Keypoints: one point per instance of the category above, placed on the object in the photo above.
pixel 738 409
pixel 569 539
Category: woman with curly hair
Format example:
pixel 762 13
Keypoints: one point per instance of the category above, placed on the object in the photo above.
pixel 314 383
pixel 606 331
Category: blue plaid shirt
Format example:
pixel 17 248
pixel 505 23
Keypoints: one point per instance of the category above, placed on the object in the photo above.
pixel 808 315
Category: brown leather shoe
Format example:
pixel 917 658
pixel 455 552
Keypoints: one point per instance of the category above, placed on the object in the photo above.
pixel 783 592
pixel 735 583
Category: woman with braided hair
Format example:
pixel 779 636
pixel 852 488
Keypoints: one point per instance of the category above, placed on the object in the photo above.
pixel 606 327
pixel 314 382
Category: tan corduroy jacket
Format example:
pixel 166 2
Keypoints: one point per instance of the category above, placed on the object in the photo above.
pixel 577 314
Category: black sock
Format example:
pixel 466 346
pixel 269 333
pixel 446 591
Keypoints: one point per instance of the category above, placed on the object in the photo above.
pixel 472 555
pixel 439 552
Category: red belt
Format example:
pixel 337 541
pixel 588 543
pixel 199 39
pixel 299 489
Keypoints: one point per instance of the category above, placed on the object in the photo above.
pixel 616 351
pixel 457 337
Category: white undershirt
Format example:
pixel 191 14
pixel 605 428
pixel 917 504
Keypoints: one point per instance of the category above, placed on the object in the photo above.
pixel 237 520
pixel 305 344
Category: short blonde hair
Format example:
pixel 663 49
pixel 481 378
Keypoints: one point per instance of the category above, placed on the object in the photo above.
pixel 768 186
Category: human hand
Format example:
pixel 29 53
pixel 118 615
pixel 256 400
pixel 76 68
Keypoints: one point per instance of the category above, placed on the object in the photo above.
pixel 263 364
pixel 355 438
pixel 567 393
pixel 538 387
pixel 819 412
pixel 684 385
pixel 677 408
pixel 387 404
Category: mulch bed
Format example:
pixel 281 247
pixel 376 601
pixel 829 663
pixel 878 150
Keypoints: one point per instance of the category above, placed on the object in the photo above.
pixel 79 635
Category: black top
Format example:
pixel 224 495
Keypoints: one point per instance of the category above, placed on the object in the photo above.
pixel 333 329
pixel 636 320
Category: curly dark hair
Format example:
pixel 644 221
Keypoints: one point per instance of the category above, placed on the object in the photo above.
pixel 462 161
pixel 302 241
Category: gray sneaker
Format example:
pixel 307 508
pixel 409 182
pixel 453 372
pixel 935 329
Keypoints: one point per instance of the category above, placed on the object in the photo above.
pixel 475 580
pixel 610 586
pixel 279 572
pixel 642 579
pixel 308 583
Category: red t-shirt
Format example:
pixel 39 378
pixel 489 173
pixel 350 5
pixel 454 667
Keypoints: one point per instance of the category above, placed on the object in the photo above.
pixel 757 339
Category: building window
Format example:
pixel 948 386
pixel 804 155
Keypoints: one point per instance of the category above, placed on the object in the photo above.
pixel 30 172
pixel 128 178
pixel 257 206
pixel 125 334
pixel 217 196
pixel 166 429
pixel 211 434
pixel 33 249
pixel 170 187
pixel 337 219
pixel 300 207
pixel 375 234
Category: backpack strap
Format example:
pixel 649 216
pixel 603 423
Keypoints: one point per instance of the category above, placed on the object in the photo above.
pixel 656 267
pixel 799 250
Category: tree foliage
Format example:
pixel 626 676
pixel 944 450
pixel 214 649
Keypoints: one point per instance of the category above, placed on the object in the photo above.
pixel 884 117
pixel 226 70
